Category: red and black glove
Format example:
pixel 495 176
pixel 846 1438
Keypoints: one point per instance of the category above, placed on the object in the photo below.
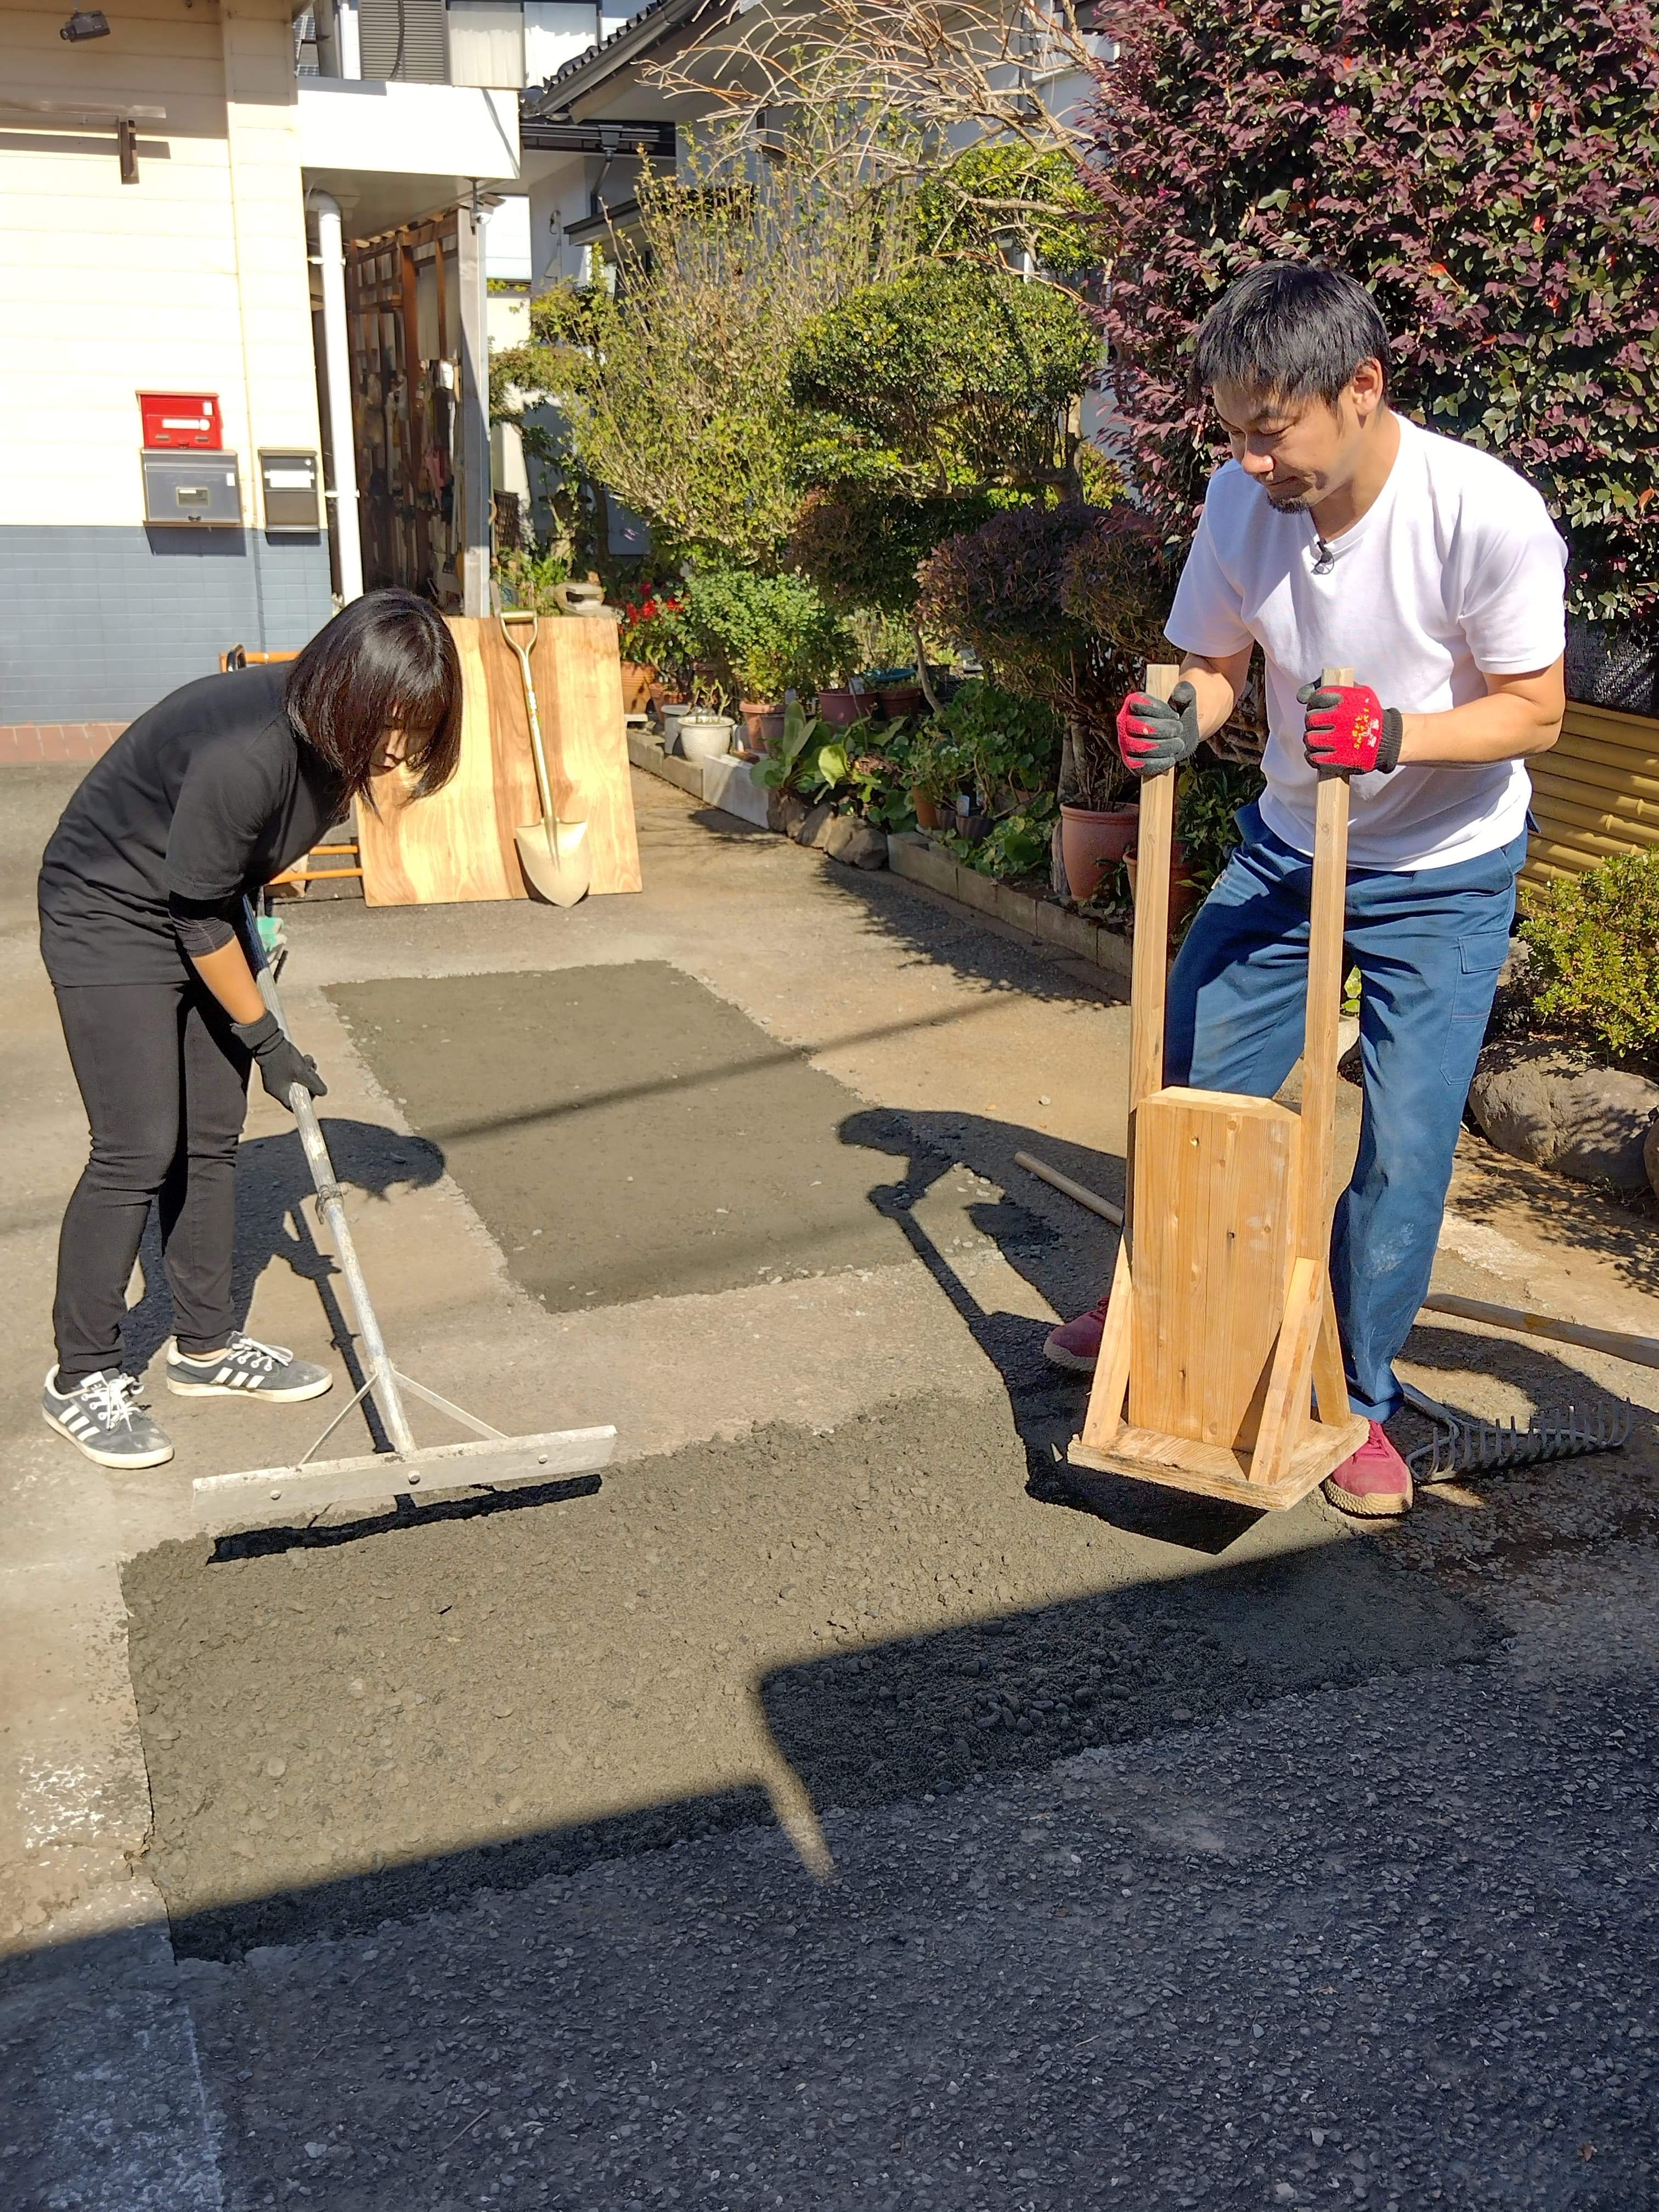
pixel 1155 734
pixel 1348 730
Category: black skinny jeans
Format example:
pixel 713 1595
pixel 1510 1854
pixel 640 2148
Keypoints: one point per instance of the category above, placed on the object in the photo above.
pixel 165 1084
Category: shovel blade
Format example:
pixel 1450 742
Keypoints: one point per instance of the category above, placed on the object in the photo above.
pixel 556 859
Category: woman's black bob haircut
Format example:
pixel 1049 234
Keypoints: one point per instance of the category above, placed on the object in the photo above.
pixel 385 662
pixel 1290 332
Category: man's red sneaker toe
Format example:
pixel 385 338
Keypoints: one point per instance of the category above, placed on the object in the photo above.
pixel 1372 1483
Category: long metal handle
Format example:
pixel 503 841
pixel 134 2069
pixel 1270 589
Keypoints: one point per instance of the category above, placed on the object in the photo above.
pixel 330 1199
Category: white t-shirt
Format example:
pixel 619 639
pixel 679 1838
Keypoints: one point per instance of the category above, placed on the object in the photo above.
pixel 1455 573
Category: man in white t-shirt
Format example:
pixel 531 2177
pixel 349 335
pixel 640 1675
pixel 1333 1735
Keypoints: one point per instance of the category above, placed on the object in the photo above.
pixel 1341 535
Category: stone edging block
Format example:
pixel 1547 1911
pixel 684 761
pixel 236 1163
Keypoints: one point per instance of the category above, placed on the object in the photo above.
pixel 911 855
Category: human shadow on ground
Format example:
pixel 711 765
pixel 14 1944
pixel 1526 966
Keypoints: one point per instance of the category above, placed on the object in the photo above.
pixel 273 1222
pixel 1066 1253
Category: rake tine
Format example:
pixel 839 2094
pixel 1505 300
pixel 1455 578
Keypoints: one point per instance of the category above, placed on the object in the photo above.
pixel 1460 1445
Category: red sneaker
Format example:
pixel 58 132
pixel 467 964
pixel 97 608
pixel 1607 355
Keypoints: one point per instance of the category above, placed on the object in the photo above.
pixel 1373 1482
pixel 1075 1345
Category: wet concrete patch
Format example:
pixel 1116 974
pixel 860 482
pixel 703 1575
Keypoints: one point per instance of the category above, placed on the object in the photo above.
pixel 623 1133
pixel 358 1727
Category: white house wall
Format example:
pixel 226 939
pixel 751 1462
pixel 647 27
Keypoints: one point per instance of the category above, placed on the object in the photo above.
pixel 193 279
pixel 368 125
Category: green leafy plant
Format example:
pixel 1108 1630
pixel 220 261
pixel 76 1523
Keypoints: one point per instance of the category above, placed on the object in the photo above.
pixel 787 762
pixel 671 369
pixel 950 380
pixel 1015 844
pixel 1486 167
pixel 998 195
pixel 1593 939
pixel 1004 748
pixel 531 579
pixel 924 404
pixel 1207 797
pixel 764 635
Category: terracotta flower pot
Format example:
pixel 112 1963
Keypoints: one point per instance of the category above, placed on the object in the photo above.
pixel 898 700
pixel 839 710
pixel 928 814
pixel 762 723
pixel 1183 895
pixel 1091 842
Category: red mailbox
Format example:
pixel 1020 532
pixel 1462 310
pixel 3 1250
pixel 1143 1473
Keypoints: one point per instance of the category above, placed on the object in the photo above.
pixel 181 418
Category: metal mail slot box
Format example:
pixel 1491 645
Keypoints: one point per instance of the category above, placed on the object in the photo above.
pixel 288 482
pixel 192 487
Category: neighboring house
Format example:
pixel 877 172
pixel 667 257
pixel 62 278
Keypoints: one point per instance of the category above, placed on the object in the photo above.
pixel 183 194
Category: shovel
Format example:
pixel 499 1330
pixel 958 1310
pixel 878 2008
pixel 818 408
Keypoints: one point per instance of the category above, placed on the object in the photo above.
pixel 553 851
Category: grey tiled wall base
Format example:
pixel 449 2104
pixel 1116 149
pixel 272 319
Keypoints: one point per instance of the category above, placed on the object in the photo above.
pixel 97 624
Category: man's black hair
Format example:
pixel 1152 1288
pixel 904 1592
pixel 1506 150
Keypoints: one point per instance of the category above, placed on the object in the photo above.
pixel 1292 332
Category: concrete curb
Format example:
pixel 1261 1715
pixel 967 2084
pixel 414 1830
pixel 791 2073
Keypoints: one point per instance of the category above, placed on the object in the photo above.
pixel 730 784
pixel 912 856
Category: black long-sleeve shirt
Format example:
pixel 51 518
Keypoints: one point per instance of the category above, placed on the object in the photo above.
pixel 202 800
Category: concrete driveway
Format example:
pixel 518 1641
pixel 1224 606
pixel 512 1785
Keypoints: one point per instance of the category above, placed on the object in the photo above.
pixel 834 1805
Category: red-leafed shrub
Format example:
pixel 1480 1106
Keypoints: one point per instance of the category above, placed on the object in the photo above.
pixel 1065 604
pixel 1488 166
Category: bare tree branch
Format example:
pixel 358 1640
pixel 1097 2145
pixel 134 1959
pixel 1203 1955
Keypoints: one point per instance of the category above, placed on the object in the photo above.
pixel 942 71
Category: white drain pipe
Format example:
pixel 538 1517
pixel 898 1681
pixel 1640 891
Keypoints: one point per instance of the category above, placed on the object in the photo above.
pixel 331 254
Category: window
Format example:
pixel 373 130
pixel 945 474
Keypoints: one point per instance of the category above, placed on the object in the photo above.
pixel 486 42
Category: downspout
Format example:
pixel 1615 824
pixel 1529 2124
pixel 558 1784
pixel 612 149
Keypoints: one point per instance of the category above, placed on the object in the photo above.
pixel 347 532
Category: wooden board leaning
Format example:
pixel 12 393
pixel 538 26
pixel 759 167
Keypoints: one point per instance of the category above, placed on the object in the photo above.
pixel 1220 1371
pixel 459 844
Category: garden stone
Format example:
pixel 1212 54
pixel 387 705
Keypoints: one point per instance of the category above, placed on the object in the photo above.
pixel 785 811
pixel 814 825
pixel 1650 1155
pixel 1541 1102
pixel 856 844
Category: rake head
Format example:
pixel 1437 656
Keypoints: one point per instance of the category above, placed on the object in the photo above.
pixel 1461 1445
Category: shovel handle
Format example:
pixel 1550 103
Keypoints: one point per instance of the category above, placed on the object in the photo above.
pixel 544 783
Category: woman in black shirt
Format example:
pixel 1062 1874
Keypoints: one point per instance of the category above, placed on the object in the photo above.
pixel 203 799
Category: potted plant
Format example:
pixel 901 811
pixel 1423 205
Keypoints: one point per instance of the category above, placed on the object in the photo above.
pixel 934 771
pixel 705 734
pixel 761 637
pixel 646 638
pixel 1066 605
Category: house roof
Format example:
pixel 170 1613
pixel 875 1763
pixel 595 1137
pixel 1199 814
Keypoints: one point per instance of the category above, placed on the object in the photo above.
pixel 636 36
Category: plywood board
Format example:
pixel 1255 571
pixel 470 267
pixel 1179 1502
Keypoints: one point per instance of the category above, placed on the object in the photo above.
pixel 1214 1174
pixel 449 847
pixel 459 844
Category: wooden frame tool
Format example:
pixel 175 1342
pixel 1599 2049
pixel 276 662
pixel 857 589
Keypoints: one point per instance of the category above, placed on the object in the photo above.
pixel 1220 1371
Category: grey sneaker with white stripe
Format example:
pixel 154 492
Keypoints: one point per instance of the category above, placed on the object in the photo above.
pixel 104 1417
pixel 246 1369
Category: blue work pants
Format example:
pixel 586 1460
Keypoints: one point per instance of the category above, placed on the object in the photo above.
pixel 1428 944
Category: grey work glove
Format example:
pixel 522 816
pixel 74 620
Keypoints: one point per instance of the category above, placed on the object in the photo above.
pixel 280 1061
pixel 1155 734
